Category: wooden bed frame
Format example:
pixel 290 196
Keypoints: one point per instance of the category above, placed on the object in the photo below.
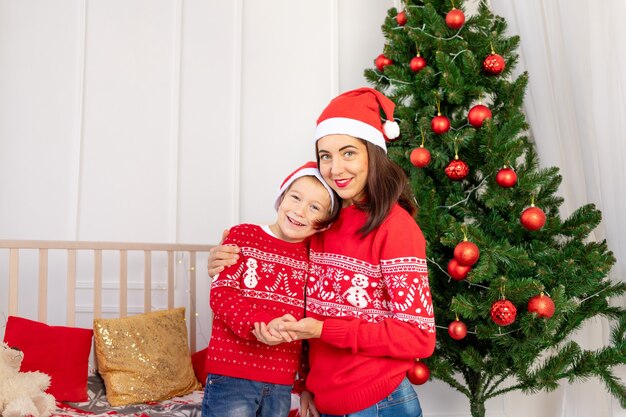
pixel 37 269
pixel 104 256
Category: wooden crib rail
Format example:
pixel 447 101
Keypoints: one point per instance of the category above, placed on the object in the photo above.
pixel 15 247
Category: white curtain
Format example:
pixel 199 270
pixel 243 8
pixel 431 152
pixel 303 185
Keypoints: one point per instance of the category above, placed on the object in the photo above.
pixel 576 106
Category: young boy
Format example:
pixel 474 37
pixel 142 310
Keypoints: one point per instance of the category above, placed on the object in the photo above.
pixel 266 285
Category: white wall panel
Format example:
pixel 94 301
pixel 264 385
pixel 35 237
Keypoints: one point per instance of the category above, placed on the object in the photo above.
pixel 39 87
pixel 360 39
pixel 208 171
pixel 209 120
pixel 286 78
pixel 130 97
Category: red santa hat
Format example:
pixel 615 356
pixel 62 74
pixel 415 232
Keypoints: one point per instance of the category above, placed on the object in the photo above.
pixel 357 113
pixel 308 169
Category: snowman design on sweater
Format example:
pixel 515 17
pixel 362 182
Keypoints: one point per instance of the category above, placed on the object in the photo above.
pixel 250 277
pixel 357 295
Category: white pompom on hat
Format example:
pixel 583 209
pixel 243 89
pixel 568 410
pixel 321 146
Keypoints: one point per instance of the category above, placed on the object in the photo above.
pixel 308 169
pixel 357 113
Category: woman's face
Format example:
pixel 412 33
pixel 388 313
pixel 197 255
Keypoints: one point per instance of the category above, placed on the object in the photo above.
pixel 344 166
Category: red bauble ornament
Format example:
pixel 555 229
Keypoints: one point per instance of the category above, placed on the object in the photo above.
pixel 533 218
pixel 457 329
pixel 478 114
pixel 440 124
pixel 503 312
pixel 382 61
pixel 466 253
pixel 420 157
pixel 401 18
pixel 419 373
pixel 506 177
pixel 457 170
pixel 457 271
pixel 455 19
pixel 417 63
pixel 494 64
pixel 542 305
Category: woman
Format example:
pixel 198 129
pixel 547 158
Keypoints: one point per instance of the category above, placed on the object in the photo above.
pixel 369 308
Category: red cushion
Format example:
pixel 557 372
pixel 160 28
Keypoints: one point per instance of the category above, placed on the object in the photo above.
pixel 61 352
pixel 198 360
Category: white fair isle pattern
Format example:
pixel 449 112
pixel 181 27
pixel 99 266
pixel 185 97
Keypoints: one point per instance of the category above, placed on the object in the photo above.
pixel 340 286
pixel 267 295
pixel 273 258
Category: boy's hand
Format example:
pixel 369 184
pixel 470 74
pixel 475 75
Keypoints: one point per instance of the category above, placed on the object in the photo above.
pixel 275 330
pixel 270 333
pixel 263 335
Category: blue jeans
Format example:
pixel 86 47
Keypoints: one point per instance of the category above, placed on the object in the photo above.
pixel 234 397
pixel 402 402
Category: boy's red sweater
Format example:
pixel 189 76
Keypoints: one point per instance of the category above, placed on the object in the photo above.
pixel 267 282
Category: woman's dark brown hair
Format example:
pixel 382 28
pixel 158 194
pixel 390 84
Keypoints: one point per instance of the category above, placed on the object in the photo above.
pixel 387 184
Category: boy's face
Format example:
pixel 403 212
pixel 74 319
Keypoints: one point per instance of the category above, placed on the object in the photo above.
pixel 304 203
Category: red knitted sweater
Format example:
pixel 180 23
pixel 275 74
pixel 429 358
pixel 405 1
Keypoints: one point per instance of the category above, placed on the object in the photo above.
pixel 267 282
pixel 373 295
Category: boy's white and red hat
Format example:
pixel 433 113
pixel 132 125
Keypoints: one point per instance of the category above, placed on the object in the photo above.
pixel 308 169
pixel 357 113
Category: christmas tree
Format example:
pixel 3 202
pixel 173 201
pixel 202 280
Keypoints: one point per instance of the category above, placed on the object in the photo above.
pixel 511 280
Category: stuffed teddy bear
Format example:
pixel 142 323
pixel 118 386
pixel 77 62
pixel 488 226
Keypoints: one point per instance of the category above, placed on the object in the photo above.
pixel 22 393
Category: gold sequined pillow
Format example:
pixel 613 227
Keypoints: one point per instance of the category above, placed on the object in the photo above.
pixel 144 357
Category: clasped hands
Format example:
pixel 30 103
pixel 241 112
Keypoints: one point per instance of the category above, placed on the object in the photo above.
pixel 287 329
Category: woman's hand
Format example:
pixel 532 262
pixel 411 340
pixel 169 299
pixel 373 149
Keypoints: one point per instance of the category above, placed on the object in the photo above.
pixel 307 407
pixel 221 256
pixel 306 328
